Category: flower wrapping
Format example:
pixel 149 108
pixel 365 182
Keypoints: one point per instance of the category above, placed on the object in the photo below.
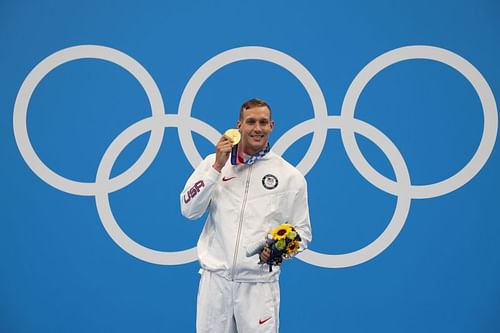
pixel 283 241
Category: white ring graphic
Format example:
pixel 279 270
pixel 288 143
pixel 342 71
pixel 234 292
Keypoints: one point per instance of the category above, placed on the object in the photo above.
pixel 453 60
pixel 50 63
pixel 402 206
pixel 319 125
pixel 102 198
pixel 255 53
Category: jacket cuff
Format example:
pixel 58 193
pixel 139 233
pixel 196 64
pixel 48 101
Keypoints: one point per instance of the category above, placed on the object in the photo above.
pixel 213 174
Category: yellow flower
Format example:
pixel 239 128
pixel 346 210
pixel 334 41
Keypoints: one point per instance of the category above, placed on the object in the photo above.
pixel 292 247
pixel 281 231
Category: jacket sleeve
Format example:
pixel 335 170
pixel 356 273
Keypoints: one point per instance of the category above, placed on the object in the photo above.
pixel 299 218
pixel 197 193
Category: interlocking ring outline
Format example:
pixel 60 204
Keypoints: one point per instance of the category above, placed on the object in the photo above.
pixel 486 97
pixel 21 110
pixel 319 125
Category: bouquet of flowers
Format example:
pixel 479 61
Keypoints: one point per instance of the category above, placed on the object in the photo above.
pixel 283 241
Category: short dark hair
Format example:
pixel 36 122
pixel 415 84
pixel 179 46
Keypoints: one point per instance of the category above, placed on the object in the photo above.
pixel 252 103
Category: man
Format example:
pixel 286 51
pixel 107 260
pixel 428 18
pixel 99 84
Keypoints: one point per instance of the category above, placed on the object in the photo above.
pixel 246 195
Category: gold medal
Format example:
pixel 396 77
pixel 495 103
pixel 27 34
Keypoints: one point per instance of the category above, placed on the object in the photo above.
pixel 234 135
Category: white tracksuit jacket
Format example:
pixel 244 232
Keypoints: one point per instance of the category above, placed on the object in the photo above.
pixel 244 203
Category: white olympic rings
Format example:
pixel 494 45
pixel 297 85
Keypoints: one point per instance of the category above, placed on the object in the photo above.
pixel 319 125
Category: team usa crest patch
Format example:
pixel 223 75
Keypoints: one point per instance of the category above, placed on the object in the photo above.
pixel 270 182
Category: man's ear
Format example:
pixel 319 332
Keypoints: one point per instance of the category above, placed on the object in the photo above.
pixel 238 124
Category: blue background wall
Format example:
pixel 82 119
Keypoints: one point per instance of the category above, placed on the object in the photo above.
pixel 61 272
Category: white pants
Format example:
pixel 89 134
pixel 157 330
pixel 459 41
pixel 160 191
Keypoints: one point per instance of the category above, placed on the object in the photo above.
pixel 236 307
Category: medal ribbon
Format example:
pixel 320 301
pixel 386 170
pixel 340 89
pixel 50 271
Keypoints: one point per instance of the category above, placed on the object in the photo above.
pixel 237 158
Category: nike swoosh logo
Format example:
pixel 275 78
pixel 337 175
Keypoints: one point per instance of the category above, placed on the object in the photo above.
pixel 225 179
pixel 263 321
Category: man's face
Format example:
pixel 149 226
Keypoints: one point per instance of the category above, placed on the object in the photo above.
pixel 255 126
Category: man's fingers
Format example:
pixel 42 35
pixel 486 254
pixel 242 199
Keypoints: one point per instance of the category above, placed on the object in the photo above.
pixel 265 254
pixel 225 149
pixel 224 146
pixel 225 139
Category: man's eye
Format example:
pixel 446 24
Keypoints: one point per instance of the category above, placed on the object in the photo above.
pixel 251 122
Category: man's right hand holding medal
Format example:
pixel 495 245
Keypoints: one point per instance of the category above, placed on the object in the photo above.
pixel 224 146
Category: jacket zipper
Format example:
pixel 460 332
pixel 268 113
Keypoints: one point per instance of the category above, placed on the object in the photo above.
pixel 241 220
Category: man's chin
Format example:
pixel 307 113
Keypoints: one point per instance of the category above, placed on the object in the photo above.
pixel 253 146
pixel 258 147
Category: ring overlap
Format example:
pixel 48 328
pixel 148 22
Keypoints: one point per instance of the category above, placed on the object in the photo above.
pixel 402 187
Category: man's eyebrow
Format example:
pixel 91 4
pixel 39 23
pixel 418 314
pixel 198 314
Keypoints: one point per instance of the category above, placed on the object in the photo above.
pixel 255 119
